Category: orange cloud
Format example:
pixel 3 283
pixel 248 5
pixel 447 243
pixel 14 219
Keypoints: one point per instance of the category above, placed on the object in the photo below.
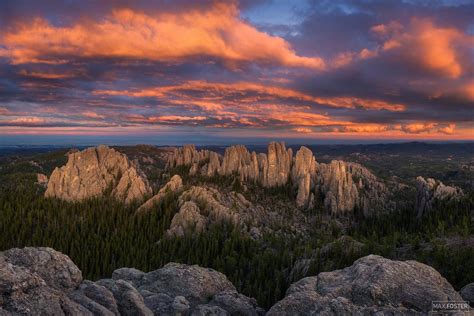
pixel 426 44
pixel 303 130
pixel 416 128
pixel 261 92
pixel 217 32
pixel 176 118
pixel 92 115
pixel 448 130
pixel 421 43
pixel 4 111
pixel 27 120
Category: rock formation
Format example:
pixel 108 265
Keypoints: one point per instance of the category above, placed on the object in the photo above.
pixel 187 156
pixel 42 179
pixel 174 185
pixel 277 170
pixel 201 206
pixel 91 172
pixel 431 190
pixel 42 281
pixel 303 176
pixel 372 285
pixel 343 186
pixel 235 159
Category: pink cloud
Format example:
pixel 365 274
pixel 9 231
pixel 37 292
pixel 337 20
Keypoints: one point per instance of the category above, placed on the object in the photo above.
pixel 216 32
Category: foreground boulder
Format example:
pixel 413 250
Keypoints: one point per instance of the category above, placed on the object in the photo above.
pixel 93 171
pixel 430 190
pixel 42 281
pixel 371 285
pixel 37 281
pixel 467 293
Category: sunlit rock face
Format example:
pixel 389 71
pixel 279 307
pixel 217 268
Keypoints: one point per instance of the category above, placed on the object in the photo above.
pixel 93 171
pixel 430 190
pixel 373 285
pixel 345 185
pixel 303 176
pixel 342 186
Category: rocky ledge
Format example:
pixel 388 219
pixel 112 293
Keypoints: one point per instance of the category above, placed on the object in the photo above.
pixel 42 281
pixel 373 285
pixel 93 171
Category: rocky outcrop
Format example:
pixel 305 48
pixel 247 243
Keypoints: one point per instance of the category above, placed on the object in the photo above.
pixel 187 155
pixel 202 206
pixel 42 281
pixel 37 281
pixel 303 176
pixel 341 185
pixel 174 185
pixel 187 220
pixel 371 285
pixel 42 179
pixel 277 169
pixel 430 190
pixel 93 171
pixel 235 159
pixel 344 186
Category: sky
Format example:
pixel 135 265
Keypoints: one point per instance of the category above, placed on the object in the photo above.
pixel 173 71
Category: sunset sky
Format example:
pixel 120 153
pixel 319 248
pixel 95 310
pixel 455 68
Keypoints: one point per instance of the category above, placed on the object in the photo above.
pixel 203 70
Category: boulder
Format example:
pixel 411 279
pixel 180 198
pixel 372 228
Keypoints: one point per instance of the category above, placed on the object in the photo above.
pixel 371 285
pixel 180 288
pixel 91 172
pixel 467 293
pixel 37 281
pixel 129 300
pixel 42 281
pixel 430 190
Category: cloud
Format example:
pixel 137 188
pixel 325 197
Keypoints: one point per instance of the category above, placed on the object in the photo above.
pixel 364 69
pixel 416 128
pixel 93 115
pixel 425 44
pixel 216 32
pixel 303 130
pixel 448 130
pixel 249 92
pixel 46 75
